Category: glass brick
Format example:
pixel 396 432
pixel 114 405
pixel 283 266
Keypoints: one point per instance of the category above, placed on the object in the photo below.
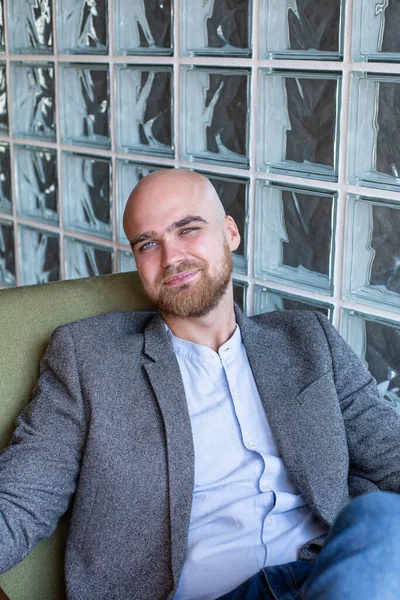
pixel 5 179
pixel 373 158
pixel 215 115
pixel 144 109
pixel 377 343
pixel 128 176
pixel 299 123
pixel 87 205
pixel 33 100
pixel 240 294
pixel 36 183
pixel 85 104
pixel 268 300
pixel 143 27
pixel 2 28
pixel 372 265
pixel 376 30
pixel 39 253
pixel 7 254
pixel 216 27
pixel 302 29
pixel 82 26
pixel 83 259
pixel 294 237
pixel 30 26
pixel 126 262
pixel 233 193
pixel 3 100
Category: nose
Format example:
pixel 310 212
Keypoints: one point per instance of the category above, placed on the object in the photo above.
pixel 171 254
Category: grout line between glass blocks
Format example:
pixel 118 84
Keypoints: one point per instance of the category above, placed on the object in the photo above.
pixel 252 142
pixel 58 145
pixel 12 160
pixel 176 99
pixel 113 136
pixel 342 186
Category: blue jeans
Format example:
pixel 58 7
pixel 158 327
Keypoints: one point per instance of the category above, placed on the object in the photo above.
pixel 359 561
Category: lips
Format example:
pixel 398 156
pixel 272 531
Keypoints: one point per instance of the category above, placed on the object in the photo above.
pixel 181 278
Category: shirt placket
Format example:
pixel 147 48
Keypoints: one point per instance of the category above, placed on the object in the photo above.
pixel 252 439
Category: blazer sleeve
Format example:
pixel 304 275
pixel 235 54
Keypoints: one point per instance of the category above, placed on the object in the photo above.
pixel 372 427
pixel 39 469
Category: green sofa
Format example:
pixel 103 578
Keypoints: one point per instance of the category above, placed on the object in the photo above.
pixel 28 315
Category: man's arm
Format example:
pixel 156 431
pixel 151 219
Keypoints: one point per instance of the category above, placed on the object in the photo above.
pixel 372 426
pixel 38 471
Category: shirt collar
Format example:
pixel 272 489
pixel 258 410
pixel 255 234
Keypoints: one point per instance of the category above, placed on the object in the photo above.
pixel 204 354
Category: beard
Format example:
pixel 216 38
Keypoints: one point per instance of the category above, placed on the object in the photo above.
pixel 197 299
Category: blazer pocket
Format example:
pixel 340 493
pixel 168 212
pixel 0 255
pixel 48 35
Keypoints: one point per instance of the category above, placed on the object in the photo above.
pixel 319 387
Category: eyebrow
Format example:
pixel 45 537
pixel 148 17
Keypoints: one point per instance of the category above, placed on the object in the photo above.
pixel 176 225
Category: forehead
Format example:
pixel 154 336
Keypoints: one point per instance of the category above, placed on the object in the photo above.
pixel 158 206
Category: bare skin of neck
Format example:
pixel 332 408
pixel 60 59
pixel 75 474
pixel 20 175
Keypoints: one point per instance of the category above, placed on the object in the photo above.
pixel 212 330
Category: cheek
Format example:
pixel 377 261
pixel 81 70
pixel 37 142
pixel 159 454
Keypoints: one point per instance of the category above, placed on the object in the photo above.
pixel 147 270
pixel 207 249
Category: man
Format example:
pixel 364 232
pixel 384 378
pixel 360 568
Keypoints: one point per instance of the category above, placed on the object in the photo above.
pixel 209 453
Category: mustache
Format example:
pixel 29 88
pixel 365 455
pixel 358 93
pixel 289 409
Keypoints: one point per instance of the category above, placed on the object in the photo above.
pixel 171 271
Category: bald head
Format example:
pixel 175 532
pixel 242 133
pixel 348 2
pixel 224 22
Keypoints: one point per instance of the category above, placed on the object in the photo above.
pixel 182 241
pixel 173 185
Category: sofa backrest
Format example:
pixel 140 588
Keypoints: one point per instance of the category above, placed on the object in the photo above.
pixel 28 315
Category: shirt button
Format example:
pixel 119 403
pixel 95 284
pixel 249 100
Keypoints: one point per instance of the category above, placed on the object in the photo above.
pixel 265 488
pixel 251 444
pixel 269 521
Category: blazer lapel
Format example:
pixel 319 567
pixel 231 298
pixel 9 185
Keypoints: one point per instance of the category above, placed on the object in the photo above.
pixel 278 386
pixel 165 378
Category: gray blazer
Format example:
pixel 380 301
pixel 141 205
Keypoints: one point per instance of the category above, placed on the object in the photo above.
pixel 109 422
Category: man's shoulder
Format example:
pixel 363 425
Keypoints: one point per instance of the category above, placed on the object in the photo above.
pixel 298 328
pixel 290 318
pixel 110 324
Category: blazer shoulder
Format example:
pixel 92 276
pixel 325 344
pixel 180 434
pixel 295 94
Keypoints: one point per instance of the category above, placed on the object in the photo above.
pixel 109 324
pixel 305 329
pixel 290 318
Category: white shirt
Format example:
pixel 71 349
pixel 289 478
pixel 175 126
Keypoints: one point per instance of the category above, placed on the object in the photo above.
pixel 246 512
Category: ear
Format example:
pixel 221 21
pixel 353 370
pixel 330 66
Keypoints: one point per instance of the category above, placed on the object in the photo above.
pixel 232 233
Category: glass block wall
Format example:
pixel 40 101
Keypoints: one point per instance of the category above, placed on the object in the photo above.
pixel 291 107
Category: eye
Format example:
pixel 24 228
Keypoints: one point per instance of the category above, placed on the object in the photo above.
pixel 189 229
pixel 147 246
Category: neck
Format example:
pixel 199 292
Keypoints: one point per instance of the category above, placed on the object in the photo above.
pixel 212 330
